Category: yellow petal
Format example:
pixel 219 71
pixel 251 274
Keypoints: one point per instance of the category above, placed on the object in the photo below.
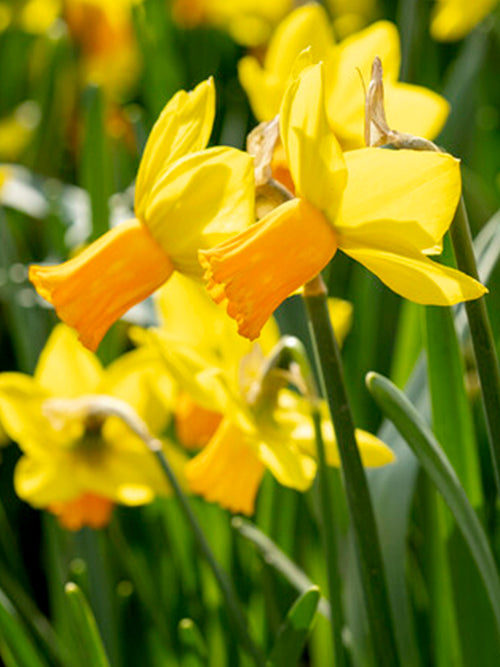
pixel 417 278
pixel 188 315
pixel 65 368
pixel 39 482
pixel 290 466
pixel 184 127
pixel 313 153
pixel 199 202
pixel 373 451
pixel 139 379
pixel 124 476
pixel 415 109
pixel 258 269
pixel 401 197
pixel 204 382
pixel 453 19
pixel 305 27
pixel 264 89
pixel 227 471
pixel 21 400
pixel 340 317
pixel 97 287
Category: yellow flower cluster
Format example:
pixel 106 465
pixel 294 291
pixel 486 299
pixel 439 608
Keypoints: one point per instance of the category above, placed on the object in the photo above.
pixel 195 218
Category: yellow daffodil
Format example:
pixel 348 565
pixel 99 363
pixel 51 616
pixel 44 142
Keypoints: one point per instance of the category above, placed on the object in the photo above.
pixel 186 197
pixel 258 428
pixel 386 209
pixel 350 15
pixel 249 22
pixel 103 31
pixel 76 463
pixel 453 19
pixel 412 109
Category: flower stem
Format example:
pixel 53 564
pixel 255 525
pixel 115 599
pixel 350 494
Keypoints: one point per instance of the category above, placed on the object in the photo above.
pixel 330 543
pixel 483 342
pixel 235 613
pixel 358 496
pixel 236 616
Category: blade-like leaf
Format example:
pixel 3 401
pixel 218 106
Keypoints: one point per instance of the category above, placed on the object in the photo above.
pixel 86 627
pixel 417 434
pixel 20 645
pixel 292 635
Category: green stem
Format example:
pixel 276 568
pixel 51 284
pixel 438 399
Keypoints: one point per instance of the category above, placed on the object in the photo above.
pixel 483 342
pixel 235 614
pixel 109 406
pixel 358 496
pixel 330 543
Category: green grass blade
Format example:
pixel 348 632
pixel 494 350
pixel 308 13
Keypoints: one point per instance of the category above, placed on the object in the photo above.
pixel 85 627
pixel 20 645
pixel 274 557
pixel 293 634
pixel 417 434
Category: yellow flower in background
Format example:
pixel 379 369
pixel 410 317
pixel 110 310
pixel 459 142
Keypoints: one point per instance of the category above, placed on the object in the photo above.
pixel 249 22
pixel 386 209
pixel 104 33
pixel 350 15
pixel 102 30
pixel 412 109
pixel 453 19
pixel 76 464
pixel 186 197
pixel 222 373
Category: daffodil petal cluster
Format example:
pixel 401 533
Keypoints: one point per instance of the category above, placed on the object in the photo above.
pixel 386 209
pixel 73 464
pixel 187 197
pixel 411 108
pixel 454 19
pixel 223 376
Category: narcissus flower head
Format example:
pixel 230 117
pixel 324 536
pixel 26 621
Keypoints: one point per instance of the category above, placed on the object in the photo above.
pixel 187 197
pixel 79 459
pixel 386 209
pixel 263 425
pixel 413 109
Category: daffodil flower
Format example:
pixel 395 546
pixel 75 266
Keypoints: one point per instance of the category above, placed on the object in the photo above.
pixel 249 22
pixel 257 430
pixel 453 19
pixel 76 463
pixel 411 108
pixel 186 197
pixel 386 209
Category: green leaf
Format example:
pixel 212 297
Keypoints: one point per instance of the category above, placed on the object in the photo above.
pixel 85 628
pixel 292 635
pixel 19 644
pixel 274 557
pixel 195 648
pixel 393 487
pixel 96 176
pixel 417 434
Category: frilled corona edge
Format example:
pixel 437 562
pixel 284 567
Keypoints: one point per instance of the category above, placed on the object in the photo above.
pixel 259 268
